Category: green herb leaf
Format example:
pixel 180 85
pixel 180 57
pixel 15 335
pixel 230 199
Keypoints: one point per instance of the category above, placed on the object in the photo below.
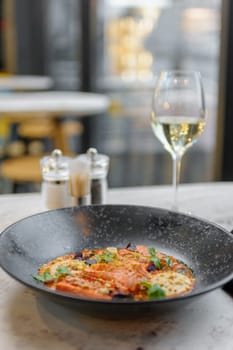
pixel 154 291
pixel 98 258
pixel 168 261
pixel 146 284
pixel 62 270
pixel 106 257
pixel 152 252
pixel 157 263
pixel 44 277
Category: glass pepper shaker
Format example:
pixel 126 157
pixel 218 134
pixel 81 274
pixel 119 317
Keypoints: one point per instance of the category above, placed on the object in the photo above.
pixel 55 185
pixel 99 165
pixel 99 172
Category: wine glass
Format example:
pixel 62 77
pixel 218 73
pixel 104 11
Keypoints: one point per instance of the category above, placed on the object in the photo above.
pixel 178 116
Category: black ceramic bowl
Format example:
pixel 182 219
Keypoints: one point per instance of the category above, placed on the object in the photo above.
pixel 205 247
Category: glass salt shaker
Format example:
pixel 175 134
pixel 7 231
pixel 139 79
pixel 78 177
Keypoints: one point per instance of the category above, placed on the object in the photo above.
pixel 99 170
pixel 55 185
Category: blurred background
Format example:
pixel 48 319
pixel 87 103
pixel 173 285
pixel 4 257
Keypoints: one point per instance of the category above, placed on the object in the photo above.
pixel 117 48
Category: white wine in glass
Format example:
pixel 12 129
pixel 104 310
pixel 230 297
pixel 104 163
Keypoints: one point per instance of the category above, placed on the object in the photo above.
pixel 178 115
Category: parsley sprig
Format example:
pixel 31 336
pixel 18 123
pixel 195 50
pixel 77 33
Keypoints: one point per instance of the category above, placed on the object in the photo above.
pixel 168 261
pixel 154 258
pixel 154 291
pixel 157 261
pixel 46 276
pixel 106 256
pixel 152 252
pixel 62 271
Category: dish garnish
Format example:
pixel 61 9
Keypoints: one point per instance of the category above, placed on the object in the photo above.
pixel 134 272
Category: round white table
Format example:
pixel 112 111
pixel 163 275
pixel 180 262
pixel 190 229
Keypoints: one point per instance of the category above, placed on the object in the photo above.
pixel 58 103
pixel 32 322
pixel 52 104
pixel 25 83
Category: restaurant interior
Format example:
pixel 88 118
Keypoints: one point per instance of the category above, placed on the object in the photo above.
pixel 113 49
pixel 99 246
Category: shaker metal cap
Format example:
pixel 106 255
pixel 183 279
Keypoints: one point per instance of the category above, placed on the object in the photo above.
pixel 96 158
pixel 99 163
pixel 55 167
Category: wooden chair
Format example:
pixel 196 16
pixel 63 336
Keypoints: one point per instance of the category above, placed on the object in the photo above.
pixel 25 169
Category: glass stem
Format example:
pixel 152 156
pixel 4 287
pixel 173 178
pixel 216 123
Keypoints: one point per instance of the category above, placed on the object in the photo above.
pixel 176 178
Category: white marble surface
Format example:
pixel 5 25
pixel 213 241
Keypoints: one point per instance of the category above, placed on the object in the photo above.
pixel 29 321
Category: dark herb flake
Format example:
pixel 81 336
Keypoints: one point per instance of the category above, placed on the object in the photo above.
pixel 78 256
pixel 181 270
pixel 90 261
pixel 131 246
pixel 122 296
pixel 151 267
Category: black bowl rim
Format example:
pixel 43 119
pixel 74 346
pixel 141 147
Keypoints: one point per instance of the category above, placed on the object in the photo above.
pixel 74 298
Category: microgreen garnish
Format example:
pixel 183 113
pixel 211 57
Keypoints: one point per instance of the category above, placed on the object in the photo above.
pixel 157 263
pixel 154 291
pixel 47 277
pixel 168 261
pixel 152 252
pixel 44 277
pixel 154 258
pixel 61 271
pixel 106 257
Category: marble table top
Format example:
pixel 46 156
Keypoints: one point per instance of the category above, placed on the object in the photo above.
pixel 32 322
